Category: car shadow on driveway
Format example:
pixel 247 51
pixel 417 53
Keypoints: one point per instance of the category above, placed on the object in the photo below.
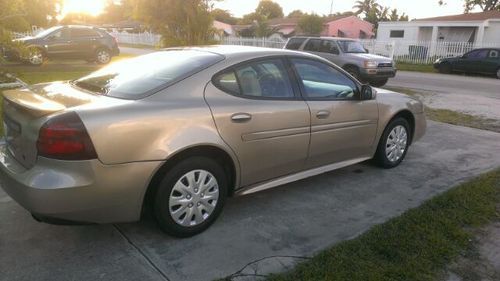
pixel 287 223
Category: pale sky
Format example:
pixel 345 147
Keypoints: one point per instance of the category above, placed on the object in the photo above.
pixel 413 8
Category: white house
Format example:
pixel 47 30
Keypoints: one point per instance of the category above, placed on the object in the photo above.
pixel 474 28
pixel 422 40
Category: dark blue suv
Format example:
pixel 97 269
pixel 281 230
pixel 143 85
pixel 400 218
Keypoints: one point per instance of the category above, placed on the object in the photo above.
pixel 67 42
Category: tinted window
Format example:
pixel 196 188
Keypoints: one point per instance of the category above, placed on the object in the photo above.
pixel 267 79
pixel 83 32
pixel 477 54
pixel 313 45
pixel 295 43
pixel 397 34
pixel 322 81
pixel 349 46
pixel 328 46
pixel 145 75
pixel 494 54
pixel 60 34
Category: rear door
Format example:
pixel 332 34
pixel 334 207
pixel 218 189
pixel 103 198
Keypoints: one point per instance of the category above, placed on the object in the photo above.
pixel 83 41
pixel 260 115
pixel 343 127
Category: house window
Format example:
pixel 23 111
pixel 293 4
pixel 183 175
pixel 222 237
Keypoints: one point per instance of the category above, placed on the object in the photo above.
pixel 397 34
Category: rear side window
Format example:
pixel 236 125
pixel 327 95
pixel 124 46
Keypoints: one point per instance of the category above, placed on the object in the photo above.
pixel 295 43
pixel 83 33
pixel 145 75
pixel 267 79
pixel 313 45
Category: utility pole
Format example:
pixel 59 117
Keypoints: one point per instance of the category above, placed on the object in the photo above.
pixel 331 8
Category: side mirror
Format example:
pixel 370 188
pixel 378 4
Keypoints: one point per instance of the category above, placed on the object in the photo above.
pixel 367 92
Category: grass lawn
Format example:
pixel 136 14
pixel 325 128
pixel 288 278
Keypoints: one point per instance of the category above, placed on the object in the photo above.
pixel 415 67
pixel 453 117
pixel 417 245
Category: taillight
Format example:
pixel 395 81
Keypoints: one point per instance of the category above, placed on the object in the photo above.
pixel 65 137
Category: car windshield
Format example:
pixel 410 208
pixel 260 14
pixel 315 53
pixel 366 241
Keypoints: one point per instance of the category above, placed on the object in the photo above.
pixel 352 47
pixel 47 32
pixel 142 76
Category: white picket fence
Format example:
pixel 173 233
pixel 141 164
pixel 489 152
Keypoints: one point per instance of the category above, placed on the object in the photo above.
pixel 255 42
pixel 145 38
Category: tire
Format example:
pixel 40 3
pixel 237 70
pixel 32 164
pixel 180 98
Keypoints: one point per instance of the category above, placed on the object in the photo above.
pixel 36 57
pixel 379 83
pixel 445 68
pixel 395 140
pixel 176 199
pixel 102 56
pixel 498 73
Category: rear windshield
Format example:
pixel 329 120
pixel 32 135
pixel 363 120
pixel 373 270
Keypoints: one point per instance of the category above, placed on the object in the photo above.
pixel 145 75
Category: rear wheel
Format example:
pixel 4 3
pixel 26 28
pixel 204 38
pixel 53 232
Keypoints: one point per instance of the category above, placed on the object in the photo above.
pixel 103 56
pixel 445 68
pixel 190 196
pixel 379 83
pixel 393 144
pixel 498 73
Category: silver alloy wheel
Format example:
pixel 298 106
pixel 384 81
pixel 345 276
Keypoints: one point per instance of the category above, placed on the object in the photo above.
pixel 193 198
pixel 103 56
pixel 35 56
pixel 396 143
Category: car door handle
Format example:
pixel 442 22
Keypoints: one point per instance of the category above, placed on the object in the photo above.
pixel 241 117
pixel 322 114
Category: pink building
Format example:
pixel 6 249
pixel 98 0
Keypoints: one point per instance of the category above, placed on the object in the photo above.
pixel 344 26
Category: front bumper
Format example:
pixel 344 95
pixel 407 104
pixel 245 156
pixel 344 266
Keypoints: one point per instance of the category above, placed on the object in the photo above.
pixel 420 126
pixel 378 73
pixel 80 191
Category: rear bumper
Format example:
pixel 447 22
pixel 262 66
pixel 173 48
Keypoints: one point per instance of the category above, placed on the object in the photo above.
pixel 378 73
pixel 81 191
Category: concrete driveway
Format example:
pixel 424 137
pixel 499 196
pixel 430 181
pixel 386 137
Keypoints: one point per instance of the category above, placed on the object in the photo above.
pixel 286 223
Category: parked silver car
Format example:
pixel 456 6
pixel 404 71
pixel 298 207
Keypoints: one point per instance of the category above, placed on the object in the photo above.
pixel 181 129
pixel 348 54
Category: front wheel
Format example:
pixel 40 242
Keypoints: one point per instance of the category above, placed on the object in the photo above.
pixel 393 144
pixel 35 56
pixel 190 196
pixel 379 83
pixel 498 73
pixel 445 68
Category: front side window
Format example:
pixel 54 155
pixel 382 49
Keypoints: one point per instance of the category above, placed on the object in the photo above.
pixel 260 79
pixel 349 46
pixel 322 81
pixel 142 76
pixel 328 46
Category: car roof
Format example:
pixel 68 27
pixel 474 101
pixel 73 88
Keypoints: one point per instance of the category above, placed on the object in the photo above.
pixel 234 51
pixel 326 38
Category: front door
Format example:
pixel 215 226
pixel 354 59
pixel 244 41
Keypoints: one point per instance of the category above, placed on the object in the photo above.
pixel 58 43
pixel 260 115
pixel 343 127
pixel 472 62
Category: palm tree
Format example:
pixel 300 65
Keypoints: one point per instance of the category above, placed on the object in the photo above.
pixel 365 6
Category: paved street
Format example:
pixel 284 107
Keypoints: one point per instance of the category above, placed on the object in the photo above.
pixel 297 219
pixel 448 84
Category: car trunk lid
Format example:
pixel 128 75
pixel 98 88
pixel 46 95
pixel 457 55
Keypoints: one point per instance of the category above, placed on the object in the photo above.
pixel 25 111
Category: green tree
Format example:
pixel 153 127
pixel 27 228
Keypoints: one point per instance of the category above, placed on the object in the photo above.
pixel 311 24
pixel 269 9
pixel 295 14
pixel 180 22
pixel 223 16
pixel 116 11
pixel 366 7
pixel 484 5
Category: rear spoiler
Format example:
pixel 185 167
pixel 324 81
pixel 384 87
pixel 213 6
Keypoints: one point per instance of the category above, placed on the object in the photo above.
pixel 27 99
